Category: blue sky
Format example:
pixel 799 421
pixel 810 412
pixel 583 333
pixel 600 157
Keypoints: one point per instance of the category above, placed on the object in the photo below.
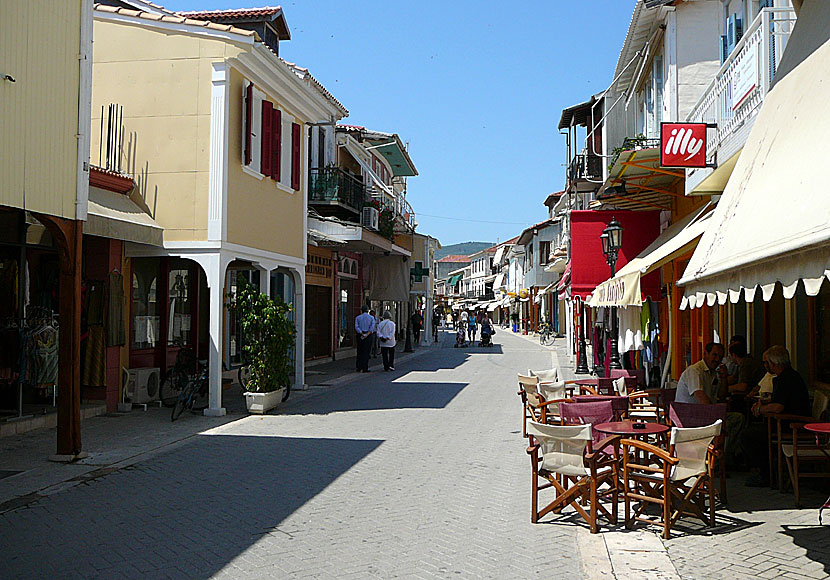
pixel 475 87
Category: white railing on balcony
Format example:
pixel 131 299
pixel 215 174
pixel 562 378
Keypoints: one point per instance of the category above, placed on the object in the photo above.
pixel 738 89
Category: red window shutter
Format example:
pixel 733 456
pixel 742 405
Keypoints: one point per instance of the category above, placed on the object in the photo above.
pixel 276 143
pixel 249 109
pixel 295 156
pixel 266 167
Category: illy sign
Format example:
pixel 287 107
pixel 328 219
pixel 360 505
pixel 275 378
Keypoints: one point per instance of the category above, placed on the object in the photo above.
pixel 683 144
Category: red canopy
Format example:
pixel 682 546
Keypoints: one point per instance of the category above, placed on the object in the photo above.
pixel 588 265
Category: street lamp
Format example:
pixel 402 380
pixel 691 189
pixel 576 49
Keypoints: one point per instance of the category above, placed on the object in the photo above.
pixel 611 239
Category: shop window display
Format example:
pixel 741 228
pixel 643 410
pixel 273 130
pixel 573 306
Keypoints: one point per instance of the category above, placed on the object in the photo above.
pixel 145 307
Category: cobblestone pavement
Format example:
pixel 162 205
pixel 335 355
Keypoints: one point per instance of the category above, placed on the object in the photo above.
pixel 760 535
pixel 418 473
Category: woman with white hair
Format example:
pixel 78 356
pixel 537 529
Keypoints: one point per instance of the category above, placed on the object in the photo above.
pixel 386 336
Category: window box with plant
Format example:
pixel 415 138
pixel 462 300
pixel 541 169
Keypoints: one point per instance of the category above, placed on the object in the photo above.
pixel 268 346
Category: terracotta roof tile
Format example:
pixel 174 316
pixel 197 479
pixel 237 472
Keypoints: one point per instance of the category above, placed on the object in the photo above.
pixel 455 258
pixel 240 13
pixel 174 19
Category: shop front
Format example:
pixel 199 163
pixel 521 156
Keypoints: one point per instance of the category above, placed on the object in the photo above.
pixel 29 320
pixel 319 320
pixel 349 299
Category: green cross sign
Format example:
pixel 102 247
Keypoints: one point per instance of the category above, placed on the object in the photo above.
pixel 418 272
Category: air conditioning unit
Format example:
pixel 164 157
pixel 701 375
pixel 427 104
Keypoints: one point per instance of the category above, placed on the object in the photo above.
pixel 143 386
pixel 369 218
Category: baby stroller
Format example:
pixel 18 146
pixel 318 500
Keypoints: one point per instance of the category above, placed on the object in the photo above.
pixel 487 331
pixel 460 336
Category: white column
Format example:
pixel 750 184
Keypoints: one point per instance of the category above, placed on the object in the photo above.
pixel 299 316
pixel 215 265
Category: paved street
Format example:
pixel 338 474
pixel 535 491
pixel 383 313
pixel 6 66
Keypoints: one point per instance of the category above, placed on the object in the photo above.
pixel 420 473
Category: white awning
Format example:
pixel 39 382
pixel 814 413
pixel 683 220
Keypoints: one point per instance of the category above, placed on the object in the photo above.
pixel 493 305
pixel 678 239
pixel 115 215
pixel 499 254
pixel 772 224
pixel 355 152
pixel 499 281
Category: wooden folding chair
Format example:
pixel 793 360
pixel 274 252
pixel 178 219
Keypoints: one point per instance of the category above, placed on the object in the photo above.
pixel 534 405
pixel 678 480
pixel 697 415
pixel 779 434
pixel 563 457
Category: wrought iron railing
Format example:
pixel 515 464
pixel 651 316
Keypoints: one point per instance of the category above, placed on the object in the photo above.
pixel 332 184
pixel 633 144
pixel 749 70
pixel 585 166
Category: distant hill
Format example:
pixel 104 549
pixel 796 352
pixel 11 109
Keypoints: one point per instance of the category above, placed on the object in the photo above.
pixel 463 249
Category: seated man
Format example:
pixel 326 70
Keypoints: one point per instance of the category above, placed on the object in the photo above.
pixel 699 382
pixel 750 371
pixel 789 395
pixel 728 371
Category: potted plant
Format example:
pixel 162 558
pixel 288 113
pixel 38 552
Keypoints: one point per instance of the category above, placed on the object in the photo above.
pixel 267 349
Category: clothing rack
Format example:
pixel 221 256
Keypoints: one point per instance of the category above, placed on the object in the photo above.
pixel 38 320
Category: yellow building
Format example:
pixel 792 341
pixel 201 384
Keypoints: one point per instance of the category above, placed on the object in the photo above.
pixel 45 68
pixel 215 129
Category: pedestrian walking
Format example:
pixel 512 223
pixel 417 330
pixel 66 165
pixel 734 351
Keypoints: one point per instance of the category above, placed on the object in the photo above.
pixel 416 320
pixel 472 326
pixel 364 325
pixel 386 336
pixel 374 348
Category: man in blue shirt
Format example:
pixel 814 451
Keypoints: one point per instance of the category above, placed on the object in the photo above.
pixel 364 326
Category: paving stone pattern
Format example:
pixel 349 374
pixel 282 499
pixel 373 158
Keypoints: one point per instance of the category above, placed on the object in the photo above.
pixel 419 473
pixel 760 535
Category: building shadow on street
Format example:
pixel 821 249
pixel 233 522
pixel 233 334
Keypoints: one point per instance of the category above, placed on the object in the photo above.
pixel 375 395
pixel 188 512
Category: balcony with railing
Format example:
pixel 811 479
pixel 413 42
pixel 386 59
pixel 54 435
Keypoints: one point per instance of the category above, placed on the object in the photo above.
pixel 585 167
pixel 334 192
pixel 736 93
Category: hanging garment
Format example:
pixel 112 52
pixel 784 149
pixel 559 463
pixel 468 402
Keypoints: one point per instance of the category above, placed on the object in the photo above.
pixel 46 357
pixel 645 327
pixel 630 335
pixel 95 303
pixel 94 369
pixel 116 334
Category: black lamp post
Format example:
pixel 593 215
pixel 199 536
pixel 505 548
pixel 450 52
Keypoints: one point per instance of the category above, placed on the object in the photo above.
pixel 611 243
pixel 582 356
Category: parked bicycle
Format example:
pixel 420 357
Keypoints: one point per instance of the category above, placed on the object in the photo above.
pixel 196 389
pixel 546 334
pixel 177 377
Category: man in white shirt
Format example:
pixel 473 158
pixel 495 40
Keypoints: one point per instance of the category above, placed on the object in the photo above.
pixel 699 382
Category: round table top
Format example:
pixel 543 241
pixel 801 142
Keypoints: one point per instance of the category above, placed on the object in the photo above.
pixel 818 427
pixel 627 428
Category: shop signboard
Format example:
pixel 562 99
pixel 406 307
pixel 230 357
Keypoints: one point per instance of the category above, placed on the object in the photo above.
pixel 744 78
pixel 683 144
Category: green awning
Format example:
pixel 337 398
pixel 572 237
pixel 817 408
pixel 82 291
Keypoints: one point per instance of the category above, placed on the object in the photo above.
pixel 454 279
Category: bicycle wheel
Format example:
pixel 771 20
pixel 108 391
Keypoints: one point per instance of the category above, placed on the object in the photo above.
pixel 185 399
pixel 546 339
pixel 170 389
pixel 286 392
pixel 178 407
pixel 244 376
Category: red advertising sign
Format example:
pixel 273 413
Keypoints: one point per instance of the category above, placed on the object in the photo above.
pixel 683 144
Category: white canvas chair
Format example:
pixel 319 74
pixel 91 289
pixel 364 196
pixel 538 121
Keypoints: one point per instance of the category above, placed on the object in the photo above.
pixel 679 480
pixel 562 456
pixel 553 393
pixel 545 376
pixel 535 405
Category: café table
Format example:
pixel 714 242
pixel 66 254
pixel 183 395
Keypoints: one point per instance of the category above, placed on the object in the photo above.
pixel 820 429
pixel 627 429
